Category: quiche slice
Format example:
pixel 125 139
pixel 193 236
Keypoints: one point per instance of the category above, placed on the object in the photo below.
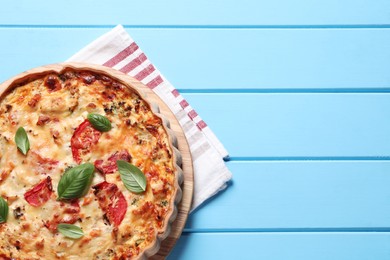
pixel 88 170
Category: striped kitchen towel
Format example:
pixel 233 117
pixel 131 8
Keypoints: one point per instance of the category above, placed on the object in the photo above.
pixel 116 49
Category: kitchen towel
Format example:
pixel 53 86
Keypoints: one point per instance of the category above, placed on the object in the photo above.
pixel 116 49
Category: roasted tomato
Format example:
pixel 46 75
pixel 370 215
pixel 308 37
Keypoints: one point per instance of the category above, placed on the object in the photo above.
pixel 69 212
pixel 109 166
pixel 40 193
pixel 83 139
pixel 111 201
pixel 52 83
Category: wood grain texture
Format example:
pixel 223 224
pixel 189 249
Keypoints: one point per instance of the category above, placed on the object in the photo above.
pixel 178 218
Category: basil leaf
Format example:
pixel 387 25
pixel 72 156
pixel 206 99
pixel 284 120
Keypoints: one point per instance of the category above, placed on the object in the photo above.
pixel 132 177
pixel 99 122
pixel 3 210
pixel 70 230
pixel 75 182
pixel 21 140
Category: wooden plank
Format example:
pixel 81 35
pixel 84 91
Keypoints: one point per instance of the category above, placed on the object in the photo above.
pixel 277 196
pixel 253 59
pixel 298 125
pixel 201 12
pixel 281 246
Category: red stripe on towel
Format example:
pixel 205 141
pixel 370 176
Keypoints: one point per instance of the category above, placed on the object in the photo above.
pixel 155 82
pixel 121 55
pixel 175 93
pixel 201 124
pixel 184 103
pixel 145 72
pixel 134 63
pixel 192 114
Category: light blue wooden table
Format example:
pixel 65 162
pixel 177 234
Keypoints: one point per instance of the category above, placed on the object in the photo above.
pixel 297 90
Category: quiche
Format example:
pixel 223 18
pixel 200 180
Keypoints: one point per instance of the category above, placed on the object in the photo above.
pixel 88 169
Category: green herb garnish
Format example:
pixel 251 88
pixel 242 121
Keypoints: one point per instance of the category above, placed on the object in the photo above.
pixel 132 177
pixel 75 182
pixel 21 140
pixel 70 231
pixel 99 122
pixel 3 210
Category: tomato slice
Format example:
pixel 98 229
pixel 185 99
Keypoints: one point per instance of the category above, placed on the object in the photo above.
pixel 83 139
pixel 40 193
pixel 109 166
pixel 111 201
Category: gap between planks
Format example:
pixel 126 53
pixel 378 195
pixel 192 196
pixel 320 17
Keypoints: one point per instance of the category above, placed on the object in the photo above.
pixel 307 158
pixel 287 91
pixel 291 230
pixel 172 26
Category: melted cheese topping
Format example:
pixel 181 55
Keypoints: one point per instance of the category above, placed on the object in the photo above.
pixel 50 108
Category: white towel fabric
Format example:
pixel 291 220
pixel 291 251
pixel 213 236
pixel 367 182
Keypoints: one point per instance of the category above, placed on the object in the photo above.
pixel 118 50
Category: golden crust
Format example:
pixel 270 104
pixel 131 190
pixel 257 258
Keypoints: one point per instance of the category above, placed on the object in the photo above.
pixel 51 107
